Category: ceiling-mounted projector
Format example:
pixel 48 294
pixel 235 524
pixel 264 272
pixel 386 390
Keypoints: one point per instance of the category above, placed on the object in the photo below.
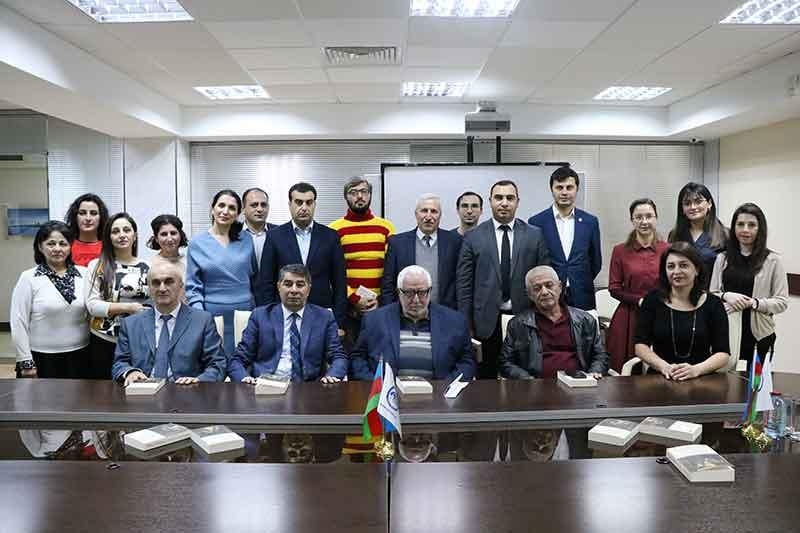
pixel 486 121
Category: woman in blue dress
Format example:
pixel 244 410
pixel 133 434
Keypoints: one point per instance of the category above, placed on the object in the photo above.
pixel 697 224
pixel 220 265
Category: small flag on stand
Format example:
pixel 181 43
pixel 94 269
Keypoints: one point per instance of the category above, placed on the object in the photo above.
pixel 388 405
pixel 372 423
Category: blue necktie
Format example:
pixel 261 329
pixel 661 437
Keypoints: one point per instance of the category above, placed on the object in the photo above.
pixel 162 351
pixel 294 348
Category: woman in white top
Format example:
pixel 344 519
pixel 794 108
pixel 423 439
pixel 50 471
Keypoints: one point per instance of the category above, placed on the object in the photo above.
pixel 116 288
pixel 49 324
pixel 168 239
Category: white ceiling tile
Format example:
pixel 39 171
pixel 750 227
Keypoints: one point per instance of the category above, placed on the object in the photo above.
pixel 228 10
pixel 295 76
pixel 365 74
pixel 179 92
pixel 312 9
pixel 546 34
pixel 593 67
pixel 527 65
pixel 278 58
pixel 357 32
pixel 260 33
pixel 206 67
pixel 597 10
pixel 88 38
pixel 428 56
pixel 498 90
pixel 452 32
pixel 565 95
pixel 302 93
pixel 164 35
pixel 438 74
pixel 49 11
pixel 368 92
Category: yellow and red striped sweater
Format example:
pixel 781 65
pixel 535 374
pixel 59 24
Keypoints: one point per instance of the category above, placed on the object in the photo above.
pixel 364 239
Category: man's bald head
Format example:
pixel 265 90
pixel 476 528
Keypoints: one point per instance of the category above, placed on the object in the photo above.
pixel 165 281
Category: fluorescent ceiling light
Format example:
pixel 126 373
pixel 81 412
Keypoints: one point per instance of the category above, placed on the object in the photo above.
pixel 765 12
pixel 632 93
pixel 133 10
pixel 441 88
pixel 463 8
pixel 233 92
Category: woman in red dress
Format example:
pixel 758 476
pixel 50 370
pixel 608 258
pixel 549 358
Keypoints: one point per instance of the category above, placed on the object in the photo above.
pixel 633 273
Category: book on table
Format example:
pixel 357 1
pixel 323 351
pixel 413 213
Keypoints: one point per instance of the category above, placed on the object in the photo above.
pixel 613 431
pixel 272 384
pixel 216 439
pixel 576 378
pixel 145 387
pixel 670 429
pixel 413 385
pixel 155 437
pixel 701 464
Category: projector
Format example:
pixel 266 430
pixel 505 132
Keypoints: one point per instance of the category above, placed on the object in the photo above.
pixel 486 121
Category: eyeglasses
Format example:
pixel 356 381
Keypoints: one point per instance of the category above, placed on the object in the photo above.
pixel 419 293
pixel 358 192
pixel 643 218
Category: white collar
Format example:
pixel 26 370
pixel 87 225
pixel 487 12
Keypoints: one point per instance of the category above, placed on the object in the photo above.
pixel 498 224
pixel 173 313
pixel 298 228
pixel 287 312
pixel 557 214
pixel 250 230
pixel 433 236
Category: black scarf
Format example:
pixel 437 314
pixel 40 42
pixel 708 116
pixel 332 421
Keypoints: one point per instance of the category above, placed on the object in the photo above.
pixel 64 284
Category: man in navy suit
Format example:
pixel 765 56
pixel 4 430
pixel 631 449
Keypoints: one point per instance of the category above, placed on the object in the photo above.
pixel 290 338
pixel 434 249
pixel 416 337
pixel 172 340
pixel 303 241
pixel 573 239
pixel 256 211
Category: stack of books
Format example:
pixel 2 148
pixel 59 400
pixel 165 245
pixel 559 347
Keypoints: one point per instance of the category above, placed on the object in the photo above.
pixel 671 430
pixel 701 464
pixel 156 437
pixel 145 387
pixel 613 432
pixel 413 385
pixel 216 439
pixel 576 378
pixel 272 384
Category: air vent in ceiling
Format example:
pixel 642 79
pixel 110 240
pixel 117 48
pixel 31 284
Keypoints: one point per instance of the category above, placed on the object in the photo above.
pixel 362 55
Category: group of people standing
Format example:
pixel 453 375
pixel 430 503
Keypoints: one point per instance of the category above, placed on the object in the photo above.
pixel 357 290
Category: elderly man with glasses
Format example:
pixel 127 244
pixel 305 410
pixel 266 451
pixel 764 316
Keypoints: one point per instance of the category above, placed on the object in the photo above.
pixel 415 336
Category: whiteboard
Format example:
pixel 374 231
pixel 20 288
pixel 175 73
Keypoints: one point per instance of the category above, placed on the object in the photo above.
pixel 404 184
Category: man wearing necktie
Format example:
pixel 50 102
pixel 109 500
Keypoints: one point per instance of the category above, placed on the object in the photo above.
pixel 292 338
pixel 170 340
pixel 434 249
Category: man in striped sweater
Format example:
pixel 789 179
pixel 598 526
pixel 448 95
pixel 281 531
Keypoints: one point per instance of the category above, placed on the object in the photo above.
pixel 364 239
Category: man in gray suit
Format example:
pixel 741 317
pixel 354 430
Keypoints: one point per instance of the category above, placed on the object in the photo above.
pixel 490 279
pixel 172 340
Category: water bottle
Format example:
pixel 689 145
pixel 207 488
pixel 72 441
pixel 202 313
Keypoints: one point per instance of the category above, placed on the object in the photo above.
pixel 776 419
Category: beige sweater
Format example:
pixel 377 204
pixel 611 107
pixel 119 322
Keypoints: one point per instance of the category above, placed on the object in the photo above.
pixel 770 288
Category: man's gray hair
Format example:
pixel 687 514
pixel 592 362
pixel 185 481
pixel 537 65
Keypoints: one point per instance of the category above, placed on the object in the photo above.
pixel 356 180
pixel 541 269
pixel 429 196
pixel 413 270
pixel 297 269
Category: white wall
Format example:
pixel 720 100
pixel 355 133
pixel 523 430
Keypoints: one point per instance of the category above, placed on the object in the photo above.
pixel 761 166
pixel 21 187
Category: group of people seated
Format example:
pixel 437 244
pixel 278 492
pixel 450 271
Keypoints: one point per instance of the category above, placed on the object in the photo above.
pixel 329 302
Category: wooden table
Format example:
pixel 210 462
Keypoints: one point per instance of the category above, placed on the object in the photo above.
pixel 487 404
pixel 66 497
pixel 594 496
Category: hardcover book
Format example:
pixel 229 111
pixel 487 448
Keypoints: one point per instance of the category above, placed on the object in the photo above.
pixel 614 432
pixel 216 439
pixel 413 385
pixel 145 387
pixel 272 384
pixel 576 379
pixel 670 429
pixel 701 464
pixel 155 437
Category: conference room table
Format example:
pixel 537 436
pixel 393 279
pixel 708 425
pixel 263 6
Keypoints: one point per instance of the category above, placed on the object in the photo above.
pixel 320 408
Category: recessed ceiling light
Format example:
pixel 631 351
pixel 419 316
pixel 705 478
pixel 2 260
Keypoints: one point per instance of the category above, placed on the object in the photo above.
pixel 422 88
pixel 765 12
pixel 133 10
pixel 233 92
pixel 632 93
pixel 463 8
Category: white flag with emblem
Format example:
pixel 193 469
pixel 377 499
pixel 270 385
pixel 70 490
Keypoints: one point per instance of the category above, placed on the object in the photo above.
pixel 388 405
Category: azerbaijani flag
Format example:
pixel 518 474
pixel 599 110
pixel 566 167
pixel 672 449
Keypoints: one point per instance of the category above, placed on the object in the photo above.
pixel 753 388
pixel 372 422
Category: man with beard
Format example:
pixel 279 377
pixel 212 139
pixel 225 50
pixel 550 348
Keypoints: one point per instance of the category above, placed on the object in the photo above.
pixel 470 208
pixel 364 239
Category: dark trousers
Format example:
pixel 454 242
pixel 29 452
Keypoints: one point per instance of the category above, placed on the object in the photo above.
pixel 101 356
pixel 64 365
pixel 491 346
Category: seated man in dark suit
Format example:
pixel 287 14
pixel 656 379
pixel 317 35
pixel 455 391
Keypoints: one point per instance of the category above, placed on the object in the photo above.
pixel 172 340
pixel 551 336
pixel 416 337
pixel 434 249
pixel 290 338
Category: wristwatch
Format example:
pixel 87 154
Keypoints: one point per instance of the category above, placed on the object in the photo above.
pixel 28 364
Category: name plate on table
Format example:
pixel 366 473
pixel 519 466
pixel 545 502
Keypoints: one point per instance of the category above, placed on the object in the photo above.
pixel 155 437
pixel 413 385
pixel 146 387
pixel 670 429
pixel 272 384
pixel 614 432
pixel 576 379
pixel 701 464
pixel 216 439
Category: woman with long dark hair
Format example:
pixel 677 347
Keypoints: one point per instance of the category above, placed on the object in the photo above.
pixel 697 223
pixel 682 330
pixel 86 217
pixel 750 279
pixel 220 265
pixel 168 238
pixel 49 326
pixel 117 288
pixel 633 273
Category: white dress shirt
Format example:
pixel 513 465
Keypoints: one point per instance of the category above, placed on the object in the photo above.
pixel 303 237
pixel 421 235
pixel 285 363
pixel 566 230
pixel 258 240
pixel 170 327
pixel 505 306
